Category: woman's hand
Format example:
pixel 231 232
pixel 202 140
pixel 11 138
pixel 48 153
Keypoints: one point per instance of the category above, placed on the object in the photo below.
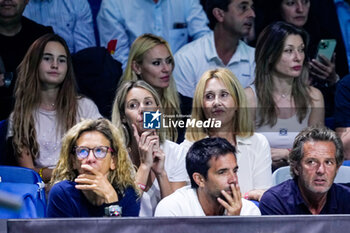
pixel 148 143
pixel 324 69
pixel 255 194
pixel 158 162
pixel 97 182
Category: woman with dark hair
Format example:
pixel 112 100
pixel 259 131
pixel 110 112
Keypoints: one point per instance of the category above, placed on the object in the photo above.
pixel 324 73
pixel 282 100
pixel 46 105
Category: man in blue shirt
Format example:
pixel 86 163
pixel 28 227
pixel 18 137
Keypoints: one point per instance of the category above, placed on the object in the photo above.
pixel 314 161
pixel 72 20
pixel 177 21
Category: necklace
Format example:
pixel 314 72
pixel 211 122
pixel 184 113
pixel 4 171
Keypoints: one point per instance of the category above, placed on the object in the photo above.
pixel 48 106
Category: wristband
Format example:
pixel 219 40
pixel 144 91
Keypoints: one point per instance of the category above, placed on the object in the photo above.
pixel 246 196
pixel 141 186
pixel 41 172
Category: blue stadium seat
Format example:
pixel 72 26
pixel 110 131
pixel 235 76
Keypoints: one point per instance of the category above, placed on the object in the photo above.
pixel 283 174
pixel 26 183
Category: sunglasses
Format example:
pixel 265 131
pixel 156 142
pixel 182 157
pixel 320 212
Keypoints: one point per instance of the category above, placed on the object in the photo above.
pixel 99 152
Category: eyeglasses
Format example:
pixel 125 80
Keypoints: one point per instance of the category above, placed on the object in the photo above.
pixel 99 152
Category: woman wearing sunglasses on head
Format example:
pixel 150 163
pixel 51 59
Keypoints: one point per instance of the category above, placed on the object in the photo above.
pixel 94 176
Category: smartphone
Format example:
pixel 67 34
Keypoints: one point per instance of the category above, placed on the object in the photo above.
pixel 326 48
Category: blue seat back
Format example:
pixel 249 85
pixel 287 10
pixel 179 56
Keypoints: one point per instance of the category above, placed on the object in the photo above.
pixel 26 195
pixel 22 177
pixel 283 173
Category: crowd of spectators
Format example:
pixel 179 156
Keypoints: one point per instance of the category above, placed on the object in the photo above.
pixel 238 89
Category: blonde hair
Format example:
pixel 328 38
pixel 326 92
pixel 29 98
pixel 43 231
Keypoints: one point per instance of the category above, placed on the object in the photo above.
pixel 169 97
pixel 121 177
pixel 118 110
pixel 242 125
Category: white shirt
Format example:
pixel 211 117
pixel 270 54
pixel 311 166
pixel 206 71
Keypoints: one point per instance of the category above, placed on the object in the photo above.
pixel 253 160
pixel 184 202
pixel 193 59
pixel 175 167
pixel 49 140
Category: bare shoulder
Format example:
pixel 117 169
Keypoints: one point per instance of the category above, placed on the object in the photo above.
pixel 251 99
pixel 317 101
pixel 315 93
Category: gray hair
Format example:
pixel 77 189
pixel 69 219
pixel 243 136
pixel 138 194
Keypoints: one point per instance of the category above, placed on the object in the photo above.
pixel 310 134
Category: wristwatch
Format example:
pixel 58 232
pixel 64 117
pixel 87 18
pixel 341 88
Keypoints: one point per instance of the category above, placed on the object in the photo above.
pixel 113 211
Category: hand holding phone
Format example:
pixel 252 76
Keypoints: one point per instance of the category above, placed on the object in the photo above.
pixel 326 48
pixel 323 66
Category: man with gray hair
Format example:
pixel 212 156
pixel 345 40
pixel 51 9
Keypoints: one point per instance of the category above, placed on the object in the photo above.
pixel 314 160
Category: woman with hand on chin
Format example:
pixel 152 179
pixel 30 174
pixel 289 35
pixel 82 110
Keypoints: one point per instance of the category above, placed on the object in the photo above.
pixel 220 96
pixel 160 163
pixel 94 176
pixel 46 106
pixel 151 60
pixel 281 98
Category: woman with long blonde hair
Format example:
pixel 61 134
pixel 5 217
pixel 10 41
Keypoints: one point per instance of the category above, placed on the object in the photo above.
pixel 46 105
pixel 219 97
pixel 159 163
pixel 151 60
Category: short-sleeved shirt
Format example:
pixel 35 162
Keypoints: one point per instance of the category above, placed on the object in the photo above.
pixel 177 21
pixel 72 20
pixel 193 59
pixel 185 202
pixel 67 201
pixel 286 199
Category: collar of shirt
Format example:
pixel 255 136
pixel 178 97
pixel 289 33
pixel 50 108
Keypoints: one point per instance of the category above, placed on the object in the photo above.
pixel 244 140
pixel 331 202
pixel 211 54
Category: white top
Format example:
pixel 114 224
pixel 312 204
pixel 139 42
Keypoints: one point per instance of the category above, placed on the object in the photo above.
pixel 253 160
pixel 193 59
pixel 283 133
pixel 47 137
pixel 175 167
pixel 184 202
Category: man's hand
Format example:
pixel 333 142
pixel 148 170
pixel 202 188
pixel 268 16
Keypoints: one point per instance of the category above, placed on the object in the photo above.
pixel 97 182
pixel 233 203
